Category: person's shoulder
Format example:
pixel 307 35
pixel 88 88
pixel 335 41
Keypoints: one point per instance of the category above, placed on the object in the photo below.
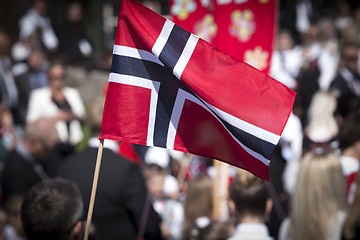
pixel 83 160
pixel 29 15
pixel 117 165
pixel 20 71
pixel 15 158
pixel 338 82
pixel 16 163
pixel 20 78
pixel 338 78
pixel 41 91
pixel 81 156
pixel 89 155
pixel 117 159
pixel 72 90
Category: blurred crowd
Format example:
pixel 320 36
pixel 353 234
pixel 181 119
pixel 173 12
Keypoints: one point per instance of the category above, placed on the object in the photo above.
pixel 50 124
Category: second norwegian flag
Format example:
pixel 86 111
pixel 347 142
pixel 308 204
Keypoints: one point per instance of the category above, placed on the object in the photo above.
pixel 170 89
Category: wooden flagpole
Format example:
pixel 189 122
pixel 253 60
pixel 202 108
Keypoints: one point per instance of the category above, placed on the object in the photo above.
pixel 220 190
pixel 94 187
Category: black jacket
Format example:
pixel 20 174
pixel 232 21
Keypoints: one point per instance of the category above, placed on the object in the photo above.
pixel 120 196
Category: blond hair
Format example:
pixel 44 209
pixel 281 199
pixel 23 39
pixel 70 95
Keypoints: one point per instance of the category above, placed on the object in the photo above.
pixel 322 125
pixel 43 128
pixel 319 195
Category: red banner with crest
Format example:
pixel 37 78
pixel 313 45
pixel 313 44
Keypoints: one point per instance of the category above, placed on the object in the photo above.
pixel 245 29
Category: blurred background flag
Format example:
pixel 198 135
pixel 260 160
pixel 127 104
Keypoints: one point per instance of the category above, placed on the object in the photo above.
pixel 242 28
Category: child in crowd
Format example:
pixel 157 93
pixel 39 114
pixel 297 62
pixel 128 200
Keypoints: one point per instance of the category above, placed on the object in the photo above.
pixel 169 209
pixel 250 205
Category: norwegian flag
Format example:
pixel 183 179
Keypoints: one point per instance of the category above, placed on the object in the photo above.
pixel 170 89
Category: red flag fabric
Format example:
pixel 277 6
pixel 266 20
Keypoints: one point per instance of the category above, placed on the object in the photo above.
pixel 244 29
pixel 127 151
pixel 170 89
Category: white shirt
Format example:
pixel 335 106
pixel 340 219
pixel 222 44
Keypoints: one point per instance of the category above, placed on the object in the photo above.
pixel 350 166
pixel 31 21
pixel 172 214
pixel 328 62
pixel 42 106
pixel 251 231
pixel 285 66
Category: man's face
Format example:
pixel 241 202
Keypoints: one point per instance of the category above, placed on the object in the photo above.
pixel 43 146
pixel 285 42
pixel 4 44
pixel 36 59
pixel 155 185
pixel 56 77
pixel 350 58
pixel 40 7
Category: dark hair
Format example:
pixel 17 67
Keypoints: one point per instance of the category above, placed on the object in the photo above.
pixel 249 195
pixel 346 104
pixel 51 209
pixel 55 63
pixel 349 130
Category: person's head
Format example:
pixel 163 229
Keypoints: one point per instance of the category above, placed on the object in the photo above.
pixel 4 43
pixel 249 199
pixel 318 197
pixel 39 6
pixel 312 35
pixel 36 59
pixel 349 35
pixel 349 57
pixel 343 9
pixel 74 12
pixel 322 126
pixel 52 209
pixel 285 40
pixel 56 76
pixel 154 178
pixel 327 29
pixel 176 158
pixel 349 134
pixel 41 137
pixel 199 199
